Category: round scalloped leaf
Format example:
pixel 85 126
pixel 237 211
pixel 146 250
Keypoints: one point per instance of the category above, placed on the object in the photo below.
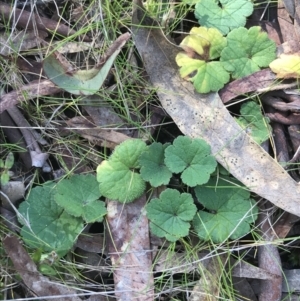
pixel 254 122
pixel 230 211
pixel 224 15
pixel 287 66
pixel 153 168
pixel 192 158
pixel 118 182
pixel 209 76
pixel 128 152
pixel 79 196
pixel 206 42
pixel 247 51
pixel 118 177
pixel 170 215
pixel 47 225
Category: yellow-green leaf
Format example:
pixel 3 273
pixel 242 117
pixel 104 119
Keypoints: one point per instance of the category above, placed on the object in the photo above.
pixel 287 66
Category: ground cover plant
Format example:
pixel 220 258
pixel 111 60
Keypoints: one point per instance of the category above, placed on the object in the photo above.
pixel 134 133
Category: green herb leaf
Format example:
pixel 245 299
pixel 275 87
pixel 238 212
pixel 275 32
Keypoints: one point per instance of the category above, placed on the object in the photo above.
pixel 118 177
pixel 192 158
pixel 247 51
pixel 170 214
pixel 153 168
pixel 79 196
pixel 48 226
pixel 256 125
pixel 9 161
pixel 224 15
pixel 205 44
pixel 231 211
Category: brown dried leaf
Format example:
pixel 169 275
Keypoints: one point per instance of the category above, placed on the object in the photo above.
pixel 35 281
pixel 30 91
pixel 106 138
pixel 256 81
pixel 29 20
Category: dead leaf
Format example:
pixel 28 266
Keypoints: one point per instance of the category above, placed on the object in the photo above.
pixel 29 20
pixel 26 92
pixel 35 281
pixel 16 42
pixel 208 287
pixel 259 80
pixel 102 137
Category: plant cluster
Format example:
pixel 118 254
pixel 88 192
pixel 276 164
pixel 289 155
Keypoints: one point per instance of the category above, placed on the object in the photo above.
pixel 54 214
pixel 227 210
pixel 211 59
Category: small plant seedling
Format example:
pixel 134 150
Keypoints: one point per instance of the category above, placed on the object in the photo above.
pixel 153 168
pixel 79 196
pixel 5 166
pixel 247 51
pixel 228 213
pixel 193 158
pixel 118 176
pixel 225 15
pixel 254 122
pixel 54 214
pixel 202 46
pixel 170 214
pixel 241 53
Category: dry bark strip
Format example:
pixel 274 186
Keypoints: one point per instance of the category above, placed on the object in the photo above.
pixel 28 20
pixel 269 260
pixel 34 89
pixel 35 281
pixel 129 249
pixel 204 116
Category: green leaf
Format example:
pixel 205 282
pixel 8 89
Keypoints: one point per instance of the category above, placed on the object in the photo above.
pixel 82 82
pixel 153 168
pixel 79 196
pixel 118 176
pixel 129 152
pixel 224 15
pixel 256 125
pixel 209 76
pixel 9 161
pixel 247 51
pixel 170 214
pixel 4 178
pixel 192 158
pixel 230 211
pixel 205 44
pixel 48 226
